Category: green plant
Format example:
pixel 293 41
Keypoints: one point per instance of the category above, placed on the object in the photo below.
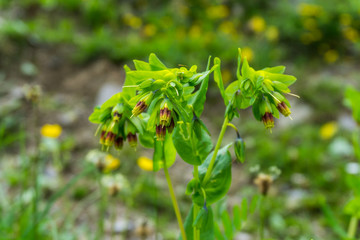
pixel 162 106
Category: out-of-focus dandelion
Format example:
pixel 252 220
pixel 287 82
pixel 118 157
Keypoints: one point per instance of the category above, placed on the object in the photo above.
pixel 145 163
pixel 226 75
pixel 32 93
pixel 195 32
pixel 345 19
pixel 51 130
pixel 115 184
pixel 217 12
pixel 328 130
pixel 132 21
pixel 149 30
pixel 228 28
pixel 351 34
pixel 310 10
pixel 331 56
pixel 248 53
pixel 111 163
pixel 104 162
pixel 257 24
pixel 272 34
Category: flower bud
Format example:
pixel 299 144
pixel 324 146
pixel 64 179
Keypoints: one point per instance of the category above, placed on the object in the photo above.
pixel 268 120
pixel 160 132
pixel 111 133
pixel 142 104
pixel 239 147
pixel 117 111
pixel 165 114
pixel 171 126
pixel 284 109
pixel 119 142
pixel 132 139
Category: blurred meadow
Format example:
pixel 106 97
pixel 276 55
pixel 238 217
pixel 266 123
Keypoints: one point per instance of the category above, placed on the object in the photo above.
pixel 61 58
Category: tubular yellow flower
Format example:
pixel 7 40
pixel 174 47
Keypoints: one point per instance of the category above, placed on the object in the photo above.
pixel 51 130
pixel 145 163
pixel 111 163
pixel 328 130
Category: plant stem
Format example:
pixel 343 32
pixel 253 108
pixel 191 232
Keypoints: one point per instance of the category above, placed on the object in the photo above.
pixel 174 202
pixel 262 218
pixel 352 227
pixel 196 232
pixel 102 208
pixel 217 147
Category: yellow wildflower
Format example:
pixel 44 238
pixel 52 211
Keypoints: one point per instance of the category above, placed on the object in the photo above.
pixel 331 56
pixel 328 130
pixel 248 53
pixel 226 76
pixel 228 27
pixel 308 10
pixel 195 31
pixel 345 19
pixel 51 130
pixel 145 163
pixel 272 34
pixel 132 21
pixel 310 23
pixel 149 30
pixel 257 24
pixel 111 163
pixel 351 34
pixel 217 12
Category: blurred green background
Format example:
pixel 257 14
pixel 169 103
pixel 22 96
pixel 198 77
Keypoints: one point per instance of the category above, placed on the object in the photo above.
pixel 69 55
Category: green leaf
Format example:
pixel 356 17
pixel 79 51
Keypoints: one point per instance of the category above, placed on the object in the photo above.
pixel 218 78
pixel 332 220
pixel 220 179
pixel 155 63
pixel 228 227
pixel 128 92
pixel 231 89
pixel 254 203
pixel 238 64
pixel 246 71
pixel 244 209
pixel 207 231
pixel 277 69
pixel 141 65
pixel 237 218
pixel 111 102
pixel 352 99
pixel 164 151
pixel 353 207
pixel 201 219
pixel 198 99
pixel 217 232
pixel 192 148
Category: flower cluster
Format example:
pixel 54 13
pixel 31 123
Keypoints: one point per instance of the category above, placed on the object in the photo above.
pixel 115 125
pixel 264 90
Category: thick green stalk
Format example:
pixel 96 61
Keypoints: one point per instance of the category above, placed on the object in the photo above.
pixel 174 202
pixel 217 147
pixel 352 227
